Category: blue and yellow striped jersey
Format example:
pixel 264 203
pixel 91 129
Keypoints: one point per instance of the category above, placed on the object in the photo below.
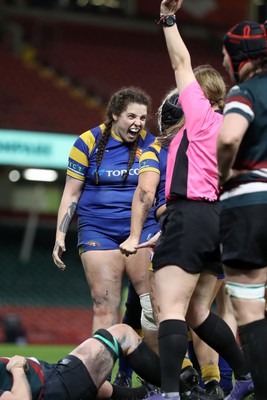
pixel 154 158
pixel 111 198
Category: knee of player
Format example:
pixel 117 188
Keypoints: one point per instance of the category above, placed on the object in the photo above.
pixel 250 295
pixel 128 339
pixel 102 305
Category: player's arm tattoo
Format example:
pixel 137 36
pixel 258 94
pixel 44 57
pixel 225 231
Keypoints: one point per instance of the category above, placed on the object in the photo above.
pixel 63 227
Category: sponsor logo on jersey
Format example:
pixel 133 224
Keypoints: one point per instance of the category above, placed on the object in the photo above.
pixel 143 164
pixel 116 172
pixel 75 166
pixel 65 361
pixel 101 171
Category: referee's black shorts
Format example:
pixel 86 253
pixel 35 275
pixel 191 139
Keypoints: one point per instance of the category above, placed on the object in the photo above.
pixel 190 237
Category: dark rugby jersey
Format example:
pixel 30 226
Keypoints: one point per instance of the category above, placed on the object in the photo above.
pixel 34 376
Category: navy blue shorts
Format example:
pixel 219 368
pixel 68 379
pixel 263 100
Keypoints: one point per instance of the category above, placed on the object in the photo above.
pixel 68 380
pixel 108 234
pixel 190 237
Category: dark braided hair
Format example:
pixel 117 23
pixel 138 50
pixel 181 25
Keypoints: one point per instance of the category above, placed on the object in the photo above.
pixel 101 148
pixel 130 160
pixel 117 104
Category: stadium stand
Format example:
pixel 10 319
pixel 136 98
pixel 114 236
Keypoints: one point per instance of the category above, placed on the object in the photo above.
pixel 34 98
pixel 53 307
pixel 101 60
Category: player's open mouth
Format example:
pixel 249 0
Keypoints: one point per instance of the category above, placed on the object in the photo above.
pixel 133 132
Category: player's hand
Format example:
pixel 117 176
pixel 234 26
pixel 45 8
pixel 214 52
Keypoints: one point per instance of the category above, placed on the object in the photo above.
pixel 170 6
pixel 150 243
pixel 233 173
pixel 128 247
pixel 223 178
pixel 58 250
pixel 17 362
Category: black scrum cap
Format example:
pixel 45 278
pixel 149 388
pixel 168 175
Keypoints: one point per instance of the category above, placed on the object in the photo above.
pixel 171 112
pixel 244 42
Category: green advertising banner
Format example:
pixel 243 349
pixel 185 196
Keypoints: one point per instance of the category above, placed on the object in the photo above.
pixel 35 149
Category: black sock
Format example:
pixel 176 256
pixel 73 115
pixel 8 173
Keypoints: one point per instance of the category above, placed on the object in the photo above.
pixel 253 338
pixel 145 362
pixel 125 393
pixel 216 333
pixel 173 341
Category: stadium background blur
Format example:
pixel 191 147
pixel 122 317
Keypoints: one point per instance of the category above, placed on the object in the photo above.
pixel 60 60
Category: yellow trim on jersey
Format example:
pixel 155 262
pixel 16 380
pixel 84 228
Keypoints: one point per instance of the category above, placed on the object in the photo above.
pixel 77 154
pixel 157 146
pixel 89 140
pixel 113 134
pixel 149 154
pixel 143 134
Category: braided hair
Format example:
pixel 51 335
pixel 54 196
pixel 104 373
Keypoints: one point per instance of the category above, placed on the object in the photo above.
pixel 117 104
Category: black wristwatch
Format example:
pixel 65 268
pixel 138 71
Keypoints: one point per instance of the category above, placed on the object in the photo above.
pixel 167 20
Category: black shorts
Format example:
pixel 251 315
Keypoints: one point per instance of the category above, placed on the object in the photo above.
pixel 68 380
pixel 190 237
pixel 243 233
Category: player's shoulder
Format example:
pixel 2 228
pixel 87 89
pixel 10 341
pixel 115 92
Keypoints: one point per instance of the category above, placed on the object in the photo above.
pixel 93 132
pixel 146 137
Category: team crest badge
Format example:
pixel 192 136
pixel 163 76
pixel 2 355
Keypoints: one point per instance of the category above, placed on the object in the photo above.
pixel 138 152
pixel 92 243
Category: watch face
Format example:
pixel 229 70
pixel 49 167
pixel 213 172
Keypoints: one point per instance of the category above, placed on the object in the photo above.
pixel 169 20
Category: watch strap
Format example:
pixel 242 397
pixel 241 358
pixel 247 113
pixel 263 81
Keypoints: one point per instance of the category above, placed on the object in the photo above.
pixel 167 20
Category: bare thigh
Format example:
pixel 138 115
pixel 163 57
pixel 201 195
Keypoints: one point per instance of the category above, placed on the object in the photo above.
pixel 137 269
pixel 104 271
pixel 173 290
pixel 96 358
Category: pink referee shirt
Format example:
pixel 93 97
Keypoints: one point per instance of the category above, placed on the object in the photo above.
pixel 192 163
